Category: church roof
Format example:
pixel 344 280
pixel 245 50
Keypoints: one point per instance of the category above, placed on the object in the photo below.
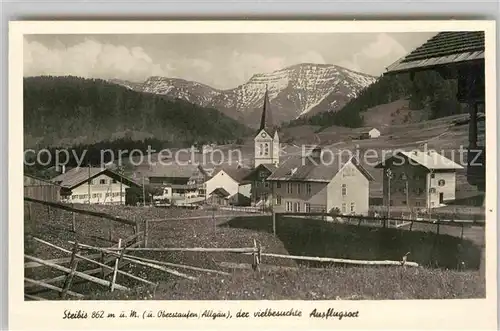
pixel 266 119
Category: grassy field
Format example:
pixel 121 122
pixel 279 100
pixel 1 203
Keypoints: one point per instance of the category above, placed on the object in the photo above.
pixel 327 282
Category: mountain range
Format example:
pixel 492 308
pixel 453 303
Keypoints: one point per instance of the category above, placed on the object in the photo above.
pixel 295 92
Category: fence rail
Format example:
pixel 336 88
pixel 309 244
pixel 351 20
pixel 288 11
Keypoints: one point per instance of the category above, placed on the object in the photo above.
pixel 61 206
pixel 451 222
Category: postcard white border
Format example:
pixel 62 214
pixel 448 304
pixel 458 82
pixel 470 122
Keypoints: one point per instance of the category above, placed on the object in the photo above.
pixel 471 314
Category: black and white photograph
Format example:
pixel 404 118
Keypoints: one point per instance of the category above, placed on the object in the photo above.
pixel 241 166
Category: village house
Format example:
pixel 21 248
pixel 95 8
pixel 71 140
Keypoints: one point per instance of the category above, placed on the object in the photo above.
pixel 94 185
pixel 178 182
pixel 232 180
pixel 261 191
pixel 370 134
pixel 418 179
pixel 306 184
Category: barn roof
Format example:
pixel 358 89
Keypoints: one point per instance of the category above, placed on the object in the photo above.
pixel 237 173
pixel 221 192
pixel 443 49
pixel 173 170
pixel 304 169
pixel 430 160
pixel 79 175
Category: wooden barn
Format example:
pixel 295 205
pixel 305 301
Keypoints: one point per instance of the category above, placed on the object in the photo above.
pixel 41 189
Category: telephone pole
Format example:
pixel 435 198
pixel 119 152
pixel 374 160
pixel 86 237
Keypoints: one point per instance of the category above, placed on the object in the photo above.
pixel 389 177
pixel 88 184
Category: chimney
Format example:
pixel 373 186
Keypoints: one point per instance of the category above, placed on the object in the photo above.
pixel 316 153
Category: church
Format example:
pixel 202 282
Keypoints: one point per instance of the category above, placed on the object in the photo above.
pixel 267 141
pixel 266 157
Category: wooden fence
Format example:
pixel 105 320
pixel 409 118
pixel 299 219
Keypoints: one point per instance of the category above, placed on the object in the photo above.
pixel 384 221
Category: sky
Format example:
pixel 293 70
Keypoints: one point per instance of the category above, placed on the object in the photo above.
pixel 220 60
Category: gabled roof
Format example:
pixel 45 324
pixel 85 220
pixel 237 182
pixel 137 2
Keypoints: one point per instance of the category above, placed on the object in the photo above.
pixel 430 160
pixel 442 49
pixel 238 174
pixel 79 175
pixel 221 192
pixel 303 169
pixel 269 167
pixel 172 170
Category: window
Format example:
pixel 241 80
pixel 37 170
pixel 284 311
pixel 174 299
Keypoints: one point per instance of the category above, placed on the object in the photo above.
pixel 114 181
pixel 307 207
pixel 257 184
pixel 108 194
pixel 344 190
pixel 290 188
pixel 288 206
pixel 432 203
pixel 299 186
pixel 266 184
pixel 261 149
pixel 417 203
pixel 74 197
pixel 309 188
pixel 352 207
pixel 432 190
pixel 297 207
pixel 416 177
pixel 102 181
pixel 403 202
pixel 278 184
pixel 123 194
pixel 266 149
pixel 95 195
pixel 433 175
pixel 441 182
pixel 344 208
pixel 278 200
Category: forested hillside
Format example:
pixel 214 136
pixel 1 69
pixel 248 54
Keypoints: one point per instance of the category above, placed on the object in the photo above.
pixel 69 111
pixel 428 91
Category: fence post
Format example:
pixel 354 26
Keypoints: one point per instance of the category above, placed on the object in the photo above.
pixel 29 212
pixel 110 230
pixel 462 232
pixel 256 256
pixel 69 278
pixel 274 222
pixel 437 232
pixel 73 221
pixel 146 230
pixel 411 225
pixel 117 261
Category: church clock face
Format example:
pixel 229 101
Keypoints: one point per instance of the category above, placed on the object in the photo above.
pixel 263 135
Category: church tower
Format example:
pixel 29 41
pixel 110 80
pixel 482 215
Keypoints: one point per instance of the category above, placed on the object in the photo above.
pixel 267 144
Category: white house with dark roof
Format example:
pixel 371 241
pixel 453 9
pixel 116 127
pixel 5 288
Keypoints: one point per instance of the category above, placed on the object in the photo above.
pixel 94 185
pixel 233 181
pixel 418 179
pixel 305 184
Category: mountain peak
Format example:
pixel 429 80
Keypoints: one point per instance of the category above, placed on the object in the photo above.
pixel 293 91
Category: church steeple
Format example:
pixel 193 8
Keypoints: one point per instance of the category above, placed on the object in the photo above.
pixel 267 141
pixel 266 121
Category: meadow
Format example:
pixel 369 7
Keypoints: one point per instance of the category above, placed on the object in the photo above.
pixel 439 277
